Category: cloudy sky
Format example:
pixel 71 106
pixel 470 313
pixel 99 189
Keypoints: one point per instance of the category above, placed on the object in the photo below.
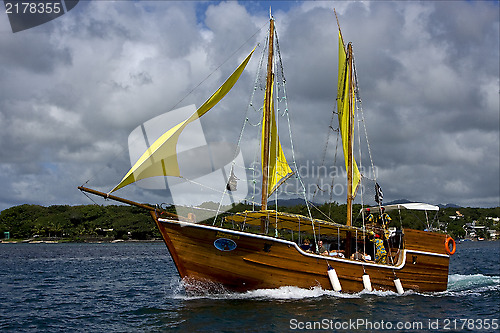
pixel 73 89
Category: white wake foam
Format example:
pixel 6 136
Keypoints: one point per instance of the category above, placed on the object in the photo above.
pixel 457 285
pixel 475 283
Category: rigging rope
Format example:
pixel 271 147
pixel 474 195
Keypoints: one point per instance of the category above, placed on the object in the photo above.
pixel 120 151
pixel 246 120
pixel 323 158
pixel 362 114
pixel 227 59
pixel 280 97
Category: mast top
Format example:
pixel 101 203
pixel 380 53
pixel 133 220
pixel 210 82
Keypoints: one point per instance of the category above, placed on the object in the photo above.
pixel 338 24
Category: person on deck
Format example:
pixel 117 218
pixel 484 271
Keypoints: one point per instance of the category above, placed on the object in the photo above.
pixel 384 219
pixel 380 252
pixel 357 256
pixel 306 246
pixel 361 256
pixel 369 216
pixel 321 248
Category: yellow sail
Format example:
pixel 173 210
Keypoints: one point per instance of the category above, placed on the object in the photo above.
pixel 279 170
pixel 161 157
pixel 344 85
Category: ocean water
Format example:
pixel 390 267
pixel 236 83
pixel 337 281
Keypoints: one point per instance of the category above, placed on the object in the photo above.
pixel 134 287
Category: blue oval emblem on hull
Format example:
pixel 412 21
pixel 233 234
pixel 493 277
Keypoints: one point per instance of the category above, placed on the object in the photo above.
pixel 224 244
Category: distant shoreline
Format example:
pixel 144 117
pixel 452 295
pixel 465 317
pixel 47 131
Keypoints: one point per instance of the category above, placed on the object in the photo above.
pixel 72 241
pixel 92 223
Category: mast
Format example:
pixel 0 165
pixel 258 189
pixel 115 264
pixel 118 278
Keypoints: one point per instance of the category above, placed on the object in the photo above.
pixel 267 116
pixel 350 141
pixel 350 126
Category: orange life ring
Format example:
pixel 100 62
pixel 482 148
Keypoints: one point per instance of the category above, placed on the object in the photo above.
pixel 447 245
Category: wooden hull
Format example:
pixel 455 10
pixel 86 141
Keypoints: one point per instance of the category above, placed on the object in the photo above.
pixel 259 261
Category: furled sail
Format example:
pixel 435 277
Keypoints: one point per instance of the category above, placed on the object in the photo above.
pixel 279 170
pixel 344 87
pixel 161 157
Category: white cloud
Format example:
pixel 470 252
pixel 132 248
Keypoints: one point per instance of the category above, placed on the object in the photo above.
pixel 74 88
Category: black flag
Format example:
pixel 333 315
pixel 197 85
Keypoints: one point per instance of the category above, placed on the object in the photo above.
pixel 379 195
pixel 232 182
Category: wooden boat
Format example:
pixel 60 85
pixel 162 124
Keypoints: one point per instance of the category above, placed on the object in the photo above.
pixel 262 248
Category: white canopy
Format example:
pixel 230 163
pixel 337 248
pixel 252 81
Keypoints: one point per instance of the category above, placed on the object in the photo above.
pixel 410 205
